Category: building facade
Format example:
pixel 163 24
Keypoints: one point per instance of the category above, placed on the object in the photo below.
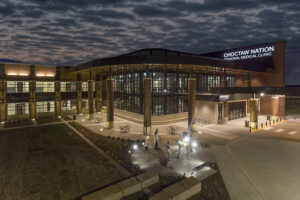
pixel 176 78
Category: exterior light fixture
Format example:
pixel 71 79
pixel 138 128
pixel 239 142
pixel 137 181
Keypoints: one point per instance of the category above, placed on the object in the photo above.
pixel 135 146
pixel 199 132
pixel 33 119
pixel 262 94
pixel 129 151
pixel 143 143
pixel 186 139
pixel 23 74
pixel 59 117
pixel 194 144
pixel 165 90
pixel 101 129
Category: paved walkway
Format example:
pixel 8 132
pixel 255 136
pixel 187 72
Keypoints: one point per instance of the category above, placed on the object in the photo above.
pixel 112 161
pixel 27 126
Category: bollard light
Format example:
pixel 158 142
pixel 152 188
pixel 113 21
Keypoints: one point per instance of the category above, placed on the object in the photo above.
pixel 194 144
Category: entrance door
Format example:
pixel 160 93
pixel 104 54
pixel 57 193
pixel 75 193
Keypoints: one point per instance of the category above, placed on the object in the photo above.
pixel 236 110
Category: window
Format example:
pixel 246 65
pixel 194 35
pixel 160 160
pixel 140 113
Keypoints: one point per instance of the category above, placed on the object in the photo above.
pixel 21 108
pixel 158 82
pixel 84 86
pixel 17 86
pixel 45 106
pixel 44 86
pixel 68 86
pixel 68 104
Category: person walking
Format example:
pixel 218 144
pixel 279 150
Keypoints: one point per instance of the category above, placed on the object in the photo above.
pixel 156 140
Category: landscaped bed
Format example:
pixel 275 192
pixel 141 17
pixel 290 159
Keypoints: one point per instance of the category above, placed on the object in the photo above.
pixel 116 148
pixel 47 119
pixel 18 122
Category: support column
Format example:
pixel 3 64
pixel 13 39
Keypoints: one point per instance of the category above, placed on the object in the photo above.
pixel 3 103
pixel 90 99
pixel 147 105
pixel 79 97
pixel 278 107
pixel 191 104
pixel 98 87
pixel 247 81
pixel 110 102
pixel 226 111
pixel 57 99
pixel 253 113
pixel 32 99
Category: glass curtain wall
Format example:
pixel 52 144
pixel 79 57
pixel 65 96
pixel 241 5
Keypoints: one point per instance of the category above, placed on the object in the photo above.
pixel 168 90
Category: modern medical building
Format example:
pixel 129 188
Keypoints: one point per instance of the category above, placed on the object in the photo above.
pixel 212 88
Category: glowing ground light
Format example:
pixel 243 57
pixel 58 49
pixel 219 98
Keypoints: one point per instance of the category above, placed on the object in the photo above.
pixel 147 137
pixel 143 143
pixel 194 144
pixel 101 129
pixel 135 147
pixel 59 117
pixel 186 139
pixel 199 132
pixel 129 151
pixel 83 120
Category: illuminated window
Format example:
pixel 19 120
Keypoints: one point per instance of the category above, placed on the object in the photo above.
pixel 44 86
pixel 45 106
pixel 21 108
pixel 68 104
pixel 68 86
pixel 84 86
pixel 17 86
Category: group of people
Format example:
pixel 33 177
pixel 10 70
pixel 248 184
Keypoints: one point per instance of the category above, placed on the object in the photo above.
pixel 185 141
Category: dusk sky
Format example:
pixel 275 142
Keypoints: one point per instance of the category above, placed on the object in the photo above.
pixel 70 32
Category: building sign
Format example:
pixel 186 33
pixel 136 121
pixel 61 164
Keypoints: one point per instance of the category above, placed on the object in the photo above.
pixel 260 57
pixel 249 53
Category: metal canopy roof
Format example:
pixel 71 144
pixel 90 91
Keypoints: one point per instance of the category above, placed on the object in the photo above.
pixel 289 91
pixel 153 56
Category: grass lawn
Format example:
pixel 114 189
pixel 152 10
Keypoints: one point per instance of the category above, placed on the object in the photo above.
pixel 50 162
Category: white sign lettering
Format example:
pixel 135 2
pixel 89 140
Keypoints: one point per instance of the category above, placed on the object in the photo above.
pixel 249 53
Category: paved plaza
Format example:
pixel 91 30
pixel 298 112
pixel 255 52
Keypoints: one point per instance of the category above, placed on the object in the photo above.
pixel 259 165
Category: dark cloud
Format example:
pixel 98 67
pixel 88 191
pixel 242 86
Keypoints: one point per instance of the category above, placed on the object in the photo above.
pixel 69 32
